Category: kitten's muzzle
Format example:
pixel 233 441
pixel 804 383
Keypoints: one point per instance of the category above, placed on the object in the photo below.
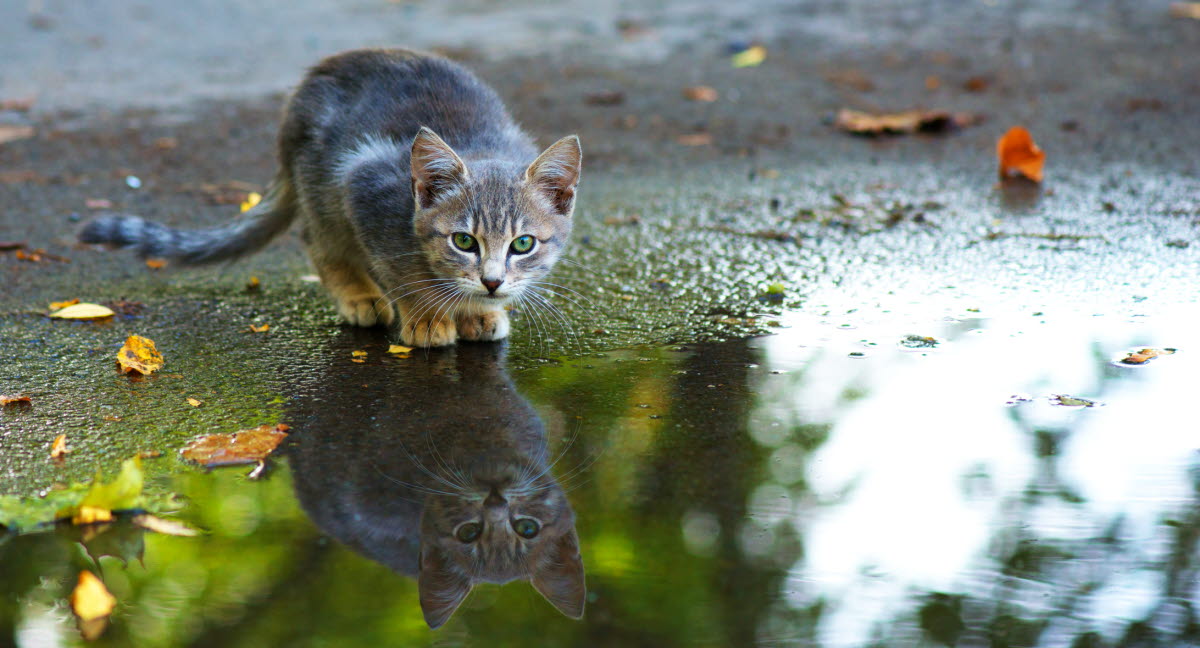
pixel 491 284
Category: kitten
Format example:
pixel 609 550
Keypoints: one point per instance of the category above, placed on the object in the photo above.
pixel 450 483
pixel 415 190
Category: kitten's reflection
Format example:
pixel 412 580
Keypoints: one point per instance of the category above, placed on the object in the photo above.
pixel 436 467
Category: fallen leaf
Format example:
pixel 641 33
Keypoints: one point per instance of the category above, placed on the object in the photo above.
pixel 83 311
pixel 358 354
pixel 253 284
pixel 91 599
pixel 749 57
pixel 156 264
pixel 919 342
pixel 1019 155
pixel 91 515
pixel 605 98
pixel 252 199
pixel 166 143
pixel 399 348
pixel 165 527
pixel 911 121
pixel 246 446
pixel 706 94
pixel 259 329
pixel 13 133
pixel 1142 356
pixel 58 449
pixel 194 402
pixel 1071 401
pixel 59 305
pixel 976 84
pixel 1185 10
pixel 34 256
pixel 139 355
pixel 98 203
pixel 121 494
pixel 695 139
pixel 14 399
pixel 358 360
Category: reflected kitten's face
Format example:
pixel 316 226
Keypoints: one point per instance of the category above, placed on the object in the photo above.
pixel 502 529
pixel 492 229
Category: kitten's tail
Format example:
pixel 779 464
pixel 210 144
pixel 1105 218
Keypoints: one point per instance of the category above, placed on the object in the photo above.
pixel 263 222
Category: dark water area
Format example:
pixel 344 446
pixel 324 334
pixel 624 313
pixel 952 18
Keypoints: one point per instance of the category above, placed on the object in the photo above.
pixel 824 486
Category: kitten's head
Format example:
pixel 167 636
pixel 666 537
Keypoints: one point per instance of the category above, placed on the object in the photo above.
pixel 508 526
pixel 496 228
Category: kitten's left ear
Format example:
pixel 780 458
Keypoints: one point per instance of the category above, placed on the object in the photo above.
pixel 556 173
pixel 560 579
pixel 442 588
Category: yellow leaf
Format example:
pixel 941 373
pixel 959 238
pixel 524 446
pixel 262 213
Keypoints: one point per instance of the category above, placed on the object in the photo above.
pixel 91 515
pixel 259 329
pixel 91 599
pixel 399 348
pixel 358 354
pixel 749 57
pixel 252 199
pixel 83 311
pixel 165 527
pixel 139 355
pixel 59 305
pixel 58 449
pixel 194 402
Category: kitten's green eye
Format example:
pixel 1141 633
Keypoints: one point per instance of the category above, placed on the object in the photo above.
pixel 526 528
pixel 468 532
pixel 522 244
pixel 463 241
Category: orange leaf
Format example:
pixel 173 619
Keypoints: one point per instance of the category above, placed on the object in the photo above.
pixel 14 399
pixel 260 329
pixel 58 449
pixel 91 515
pixel 156 264
pixel 1019 155
pixel 706 94
pixel 246 446
pixel 139 355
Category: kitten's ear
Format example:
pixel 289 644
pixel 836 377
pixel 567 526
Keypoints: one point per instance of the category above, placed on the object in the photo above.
pixel 436 168
pixel 560 579
pixel 441 586
pixel 556 172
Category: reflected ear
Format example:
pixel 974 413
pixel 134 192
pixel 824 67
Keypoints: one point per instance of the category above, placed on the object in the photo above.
pixel 442 587
pixel 556 173
pixel 560 580
pixel 436 169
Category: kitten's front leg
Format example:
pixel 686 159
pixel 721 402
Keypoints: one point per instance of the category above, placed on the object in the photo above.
pixel 423 326
pixel 359 300
pixel 488 325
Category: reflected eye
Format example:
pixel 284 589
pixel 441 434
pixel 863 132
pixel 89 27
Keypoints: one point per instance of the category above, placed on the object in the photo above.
pixel 522 244
pixel 468 532
pixel 526 528
pixel 463 241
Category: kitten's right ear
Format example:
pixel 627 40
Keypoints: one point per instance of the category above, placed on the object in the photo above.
pixel 441 586
pixel 436 169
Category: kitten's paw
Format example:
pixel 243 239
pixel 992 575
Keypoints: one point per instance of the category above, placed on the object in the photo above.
pixel 429 333
pixel 489 325
pixel 367 310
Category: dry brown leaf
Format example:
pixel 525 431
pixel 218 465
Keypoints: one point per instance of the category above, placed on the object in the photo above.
pixel 91 515
pixel 1019 155
pixel 58 449
pixel 165 527
pixel 910 121
pixel 13 133
pixel 139 355
pixel 195 402
pixel 82 311
pixel 1185 10
pixel 246 446
pixel 695 139
pixel 156 264
pixel 1142 356
pixel 14 399
pixel 706 94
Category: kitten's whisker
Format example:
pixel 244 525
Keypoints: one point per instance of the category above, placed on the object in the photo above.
pixel 542 282
pixel 562 320
pixel 453 474
pixel 413 283
pixel 449 305
pixel 535 318
pixel 420 488
pixel 421 289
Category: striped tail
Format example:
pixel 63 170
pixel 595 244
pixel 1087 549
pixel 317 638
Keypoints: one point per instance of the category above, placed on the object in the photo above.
pixel 256 228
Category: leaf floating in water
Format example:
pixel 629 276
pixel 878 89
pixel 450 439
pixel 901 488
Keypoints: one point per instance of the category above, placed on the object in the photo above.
pixel 58 449
pixel 1144 355
pixel 244 447
pixel 252 199
pixel 399 348
pixel 165 527
pixel 1019 155
pixel 92 603
pixel 1071 401
pixel 14 399
pixel 84 311
pixel 359 354
pixel 139 355
pixel 121 494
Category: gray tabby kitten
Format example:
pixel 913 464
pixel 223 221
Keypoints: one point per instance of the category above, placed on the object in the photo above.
pixel 453 495
pixel 448 229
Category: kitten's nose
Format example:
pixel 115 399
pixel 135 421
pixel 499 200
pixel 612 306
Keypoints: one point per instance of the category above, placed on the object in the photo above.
pixel 494 500
pixel 491 285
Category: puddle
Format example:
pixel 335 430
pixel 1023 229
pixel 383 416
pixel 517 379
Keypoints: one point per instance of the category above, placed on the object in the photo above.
pixel 776 490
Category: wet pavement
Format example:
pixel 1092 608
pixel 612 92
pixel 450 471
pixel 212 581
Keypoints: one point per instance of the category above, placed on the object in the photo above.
pixel 927 438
